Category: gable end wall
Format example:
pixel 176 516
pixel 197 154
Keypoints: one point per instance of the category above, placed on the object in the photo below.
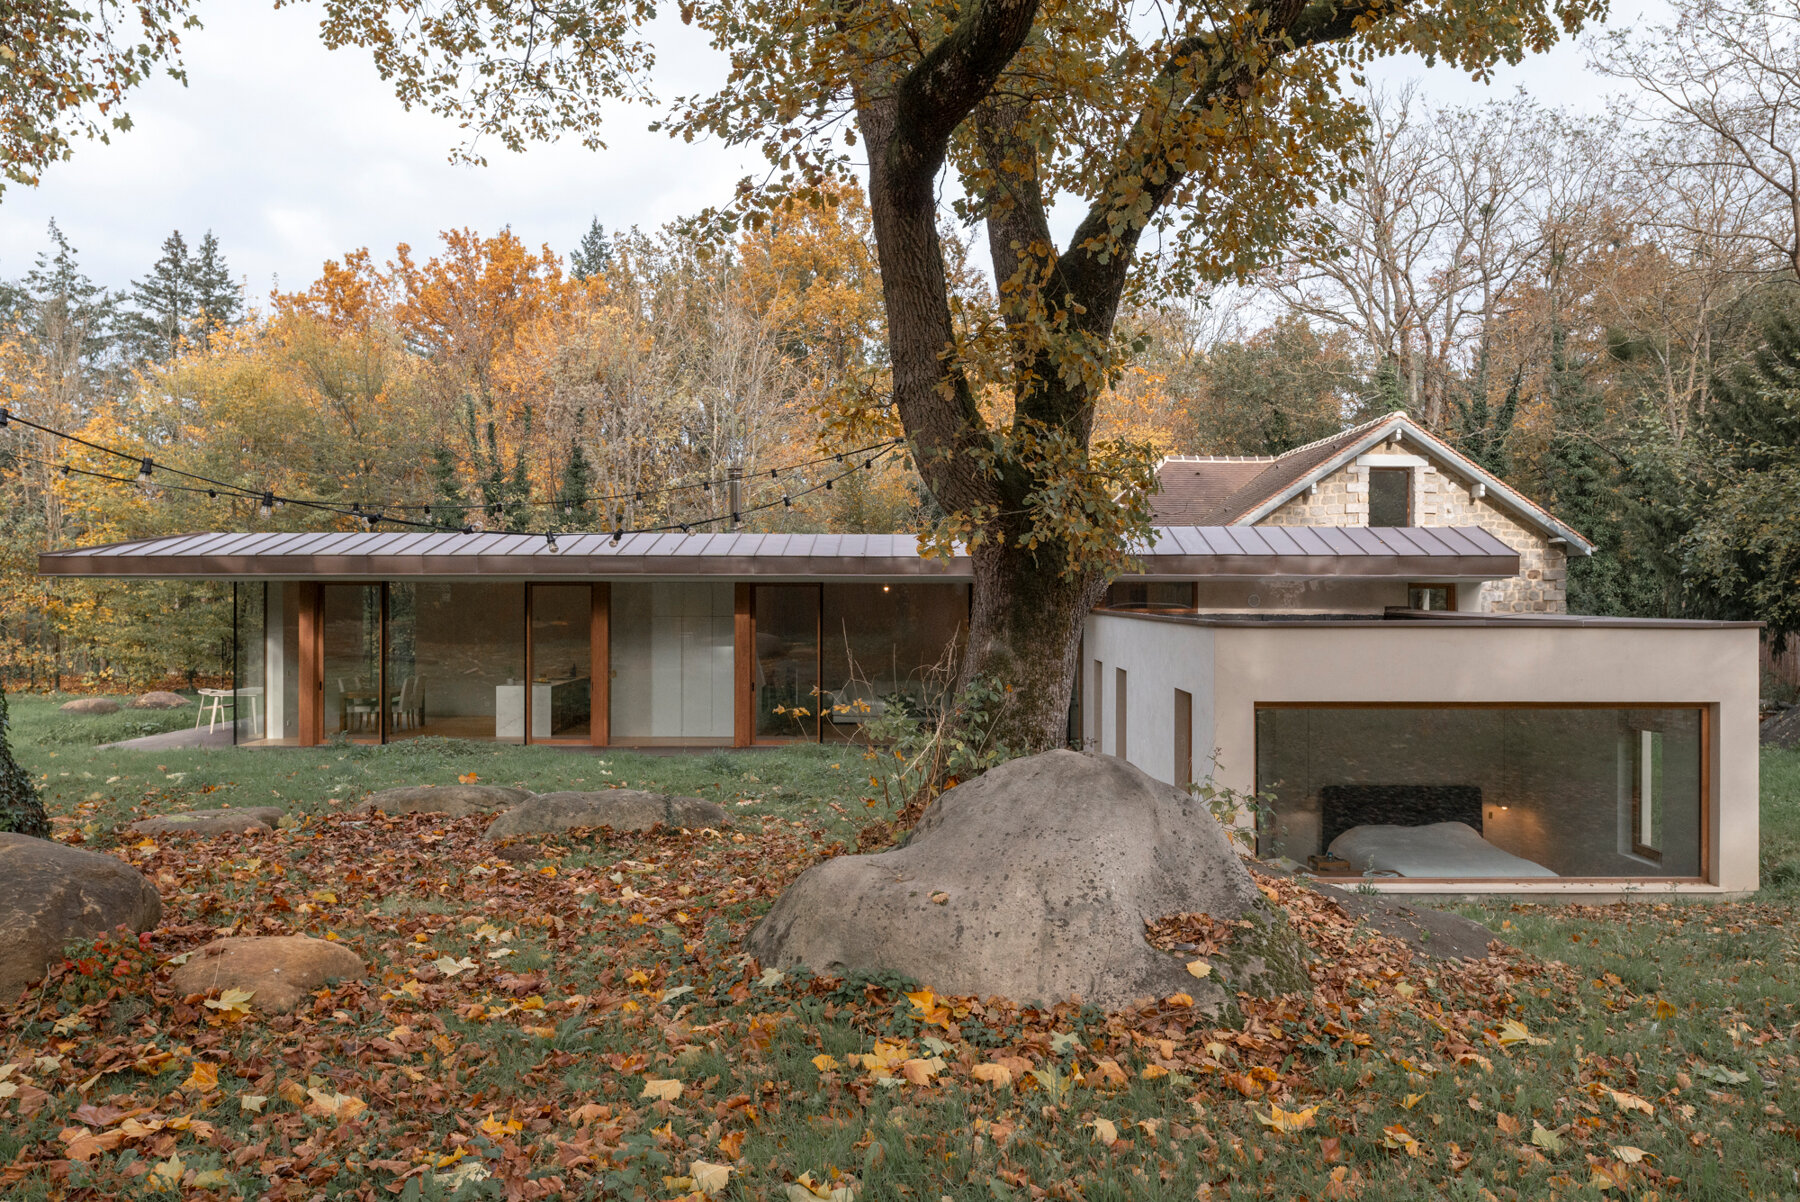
pixel 1442 499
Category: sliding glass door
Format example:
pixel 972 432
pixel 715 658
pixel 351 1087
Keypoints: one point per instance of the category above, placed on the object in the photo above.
pixel 352 661
pixel 786 680
pixel 561 650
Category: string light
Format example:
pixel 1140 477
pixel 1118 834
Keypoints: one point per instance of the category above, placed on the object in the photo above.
pixel 550 539
pixel 268 500
pixel 5 417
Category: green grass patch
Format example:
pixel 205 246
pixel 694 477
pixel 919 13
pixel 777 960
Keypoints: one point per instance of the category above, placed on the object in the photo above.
pixel 519 1014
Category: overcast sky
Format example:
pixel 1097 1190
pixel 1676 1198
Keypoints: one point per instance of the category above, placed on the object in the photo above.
pixel 293 154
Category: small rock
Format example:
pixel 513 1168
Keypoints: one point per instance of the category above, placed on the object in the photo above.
pixel 160 700
pixel 455 801
pixel 620 809
pixel 256 820
pixel 281 971
pixel 52 895
pixel 91 705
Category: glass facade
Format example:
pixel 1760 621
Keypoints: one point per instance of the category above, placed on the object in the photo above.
pixel 516 662
pixel 562 664
pixel 1476 792
pixel 787 661
pixel 266 701
pixel 456 661
pixel 352 661
pixel 887 645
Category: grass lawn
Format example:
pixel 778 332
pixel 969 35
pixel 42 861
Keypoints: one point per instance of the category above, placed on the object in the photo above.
pixel 578 1020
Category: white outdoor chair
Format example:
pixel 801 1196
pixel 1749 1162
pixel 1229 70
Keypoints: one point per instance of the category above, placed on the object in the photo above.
pixel 214 702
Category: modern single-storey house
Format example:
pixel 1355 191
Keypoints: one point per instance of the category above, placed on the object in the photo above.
pixel 1401 702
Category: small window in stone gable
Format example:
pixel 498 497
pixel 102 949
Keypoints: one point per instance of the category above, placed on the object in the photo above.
pixel 1390 496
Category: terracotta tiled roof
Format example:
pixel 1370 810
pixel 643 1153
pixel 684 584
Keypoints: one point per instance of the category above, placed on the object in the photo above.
pixel 1221 490
pixel 1230 490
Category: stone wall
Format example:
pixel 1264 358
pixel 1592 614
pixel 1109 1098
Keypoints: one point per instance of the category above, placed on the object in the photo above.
pixel 1442 499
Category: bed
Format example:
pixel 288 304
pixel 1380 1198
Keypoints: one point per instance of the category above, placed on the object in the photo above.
pixel 1437 849
pixel 1415 831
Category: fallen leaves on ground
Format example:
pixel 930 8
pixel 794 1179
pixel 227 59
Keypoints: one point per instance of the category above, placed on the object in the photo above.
pixel 624 1047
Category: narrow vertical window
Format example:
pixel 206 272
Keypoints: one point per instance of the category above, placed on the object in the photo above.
pixel 1096 704
pixel 1184 737
pixel 1119 722
pixel 1390 496
pixel 1646 794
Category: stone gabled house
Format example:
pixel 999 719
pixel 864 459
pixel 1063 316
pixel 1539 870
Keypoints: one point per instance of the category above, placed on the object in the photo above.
pixel 1390 472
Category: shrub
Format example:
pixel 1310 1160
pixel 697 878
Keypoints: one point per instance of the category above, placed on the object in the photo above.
pixel 21 809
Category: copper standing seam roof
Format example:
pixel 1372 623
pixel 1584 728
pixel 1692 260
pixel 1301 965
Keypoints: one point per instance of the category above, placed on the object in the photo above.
pixel 1176 552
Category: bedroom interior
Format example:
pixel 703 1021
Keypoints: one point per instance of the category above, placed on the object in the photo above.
pixel 1482 791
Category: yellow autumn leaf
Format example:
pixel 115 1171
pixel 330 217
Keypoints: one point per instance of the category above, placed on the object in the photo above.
pixel 1545 1138
pixel 1199 968
pixel 1411 1100
pixel 211 1179
pixel 495 1129
pixel 204 1078
pixel 1400 1139
pixel 994 1074
pixel 1179 999
pixel 922 1000
pixel 1629 1154
pixel 232 1003
pixel 1105 1131
pixel 709 1178
pixel 661 1089
pixel 1287 1121
pixel 252 1103
pixel 1629 1101
pixel 166 1174
pixel 1513 1031
pixel 920 1072
pixel 338 1106
pixel 324 895
pixel 825 1063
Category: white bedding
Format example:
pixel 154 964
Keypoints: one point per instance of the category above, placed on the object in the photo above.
pixel 1443 849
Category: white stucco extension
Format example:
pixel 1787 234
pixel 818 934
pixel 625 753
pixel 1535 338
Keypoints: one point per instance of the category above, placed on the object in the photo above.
pixel 1232 666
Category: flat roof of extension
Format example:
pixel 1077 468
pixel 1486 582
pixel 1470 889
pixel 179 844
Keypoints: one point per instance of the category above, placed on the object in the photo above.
pixel 1176 552
pixel 1424 618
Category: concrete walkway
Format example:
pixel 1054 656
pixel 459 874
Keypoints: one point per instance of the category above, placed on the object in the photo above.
pixel 197 736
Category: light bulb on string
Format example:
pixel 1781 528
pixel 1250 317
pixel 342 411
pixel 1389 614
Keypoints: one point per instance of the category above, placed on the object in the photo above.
pixel 550 540
pixel 268 503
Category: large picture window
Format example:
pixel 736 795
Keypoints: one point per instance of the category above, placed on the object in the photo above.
pixel 1469 792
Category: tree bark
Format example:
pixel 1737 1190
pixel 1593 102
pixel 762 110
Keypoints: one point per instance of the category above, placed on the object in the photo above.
pixel 1032 592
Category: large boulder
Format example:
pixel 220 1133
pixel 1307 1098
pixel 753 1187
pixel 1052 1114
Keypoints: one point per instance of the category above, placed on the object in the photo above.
pixel 253 820
pixel 160 699
pixel 52 895
pixel 620 809
pixel 454 801
pixel 280 971
pixel 1033 882
pixel 90 705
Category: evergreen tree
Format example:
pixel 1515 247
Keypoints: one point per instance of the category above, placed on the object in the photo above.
pixel 1484 430
pixel 594 255
pixel 162 304
pixel 446 491
pixel 1742 556
pixel 21 808
pixel 216 299
pixel 68 317
pixel 575 510
pixel 1581 485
